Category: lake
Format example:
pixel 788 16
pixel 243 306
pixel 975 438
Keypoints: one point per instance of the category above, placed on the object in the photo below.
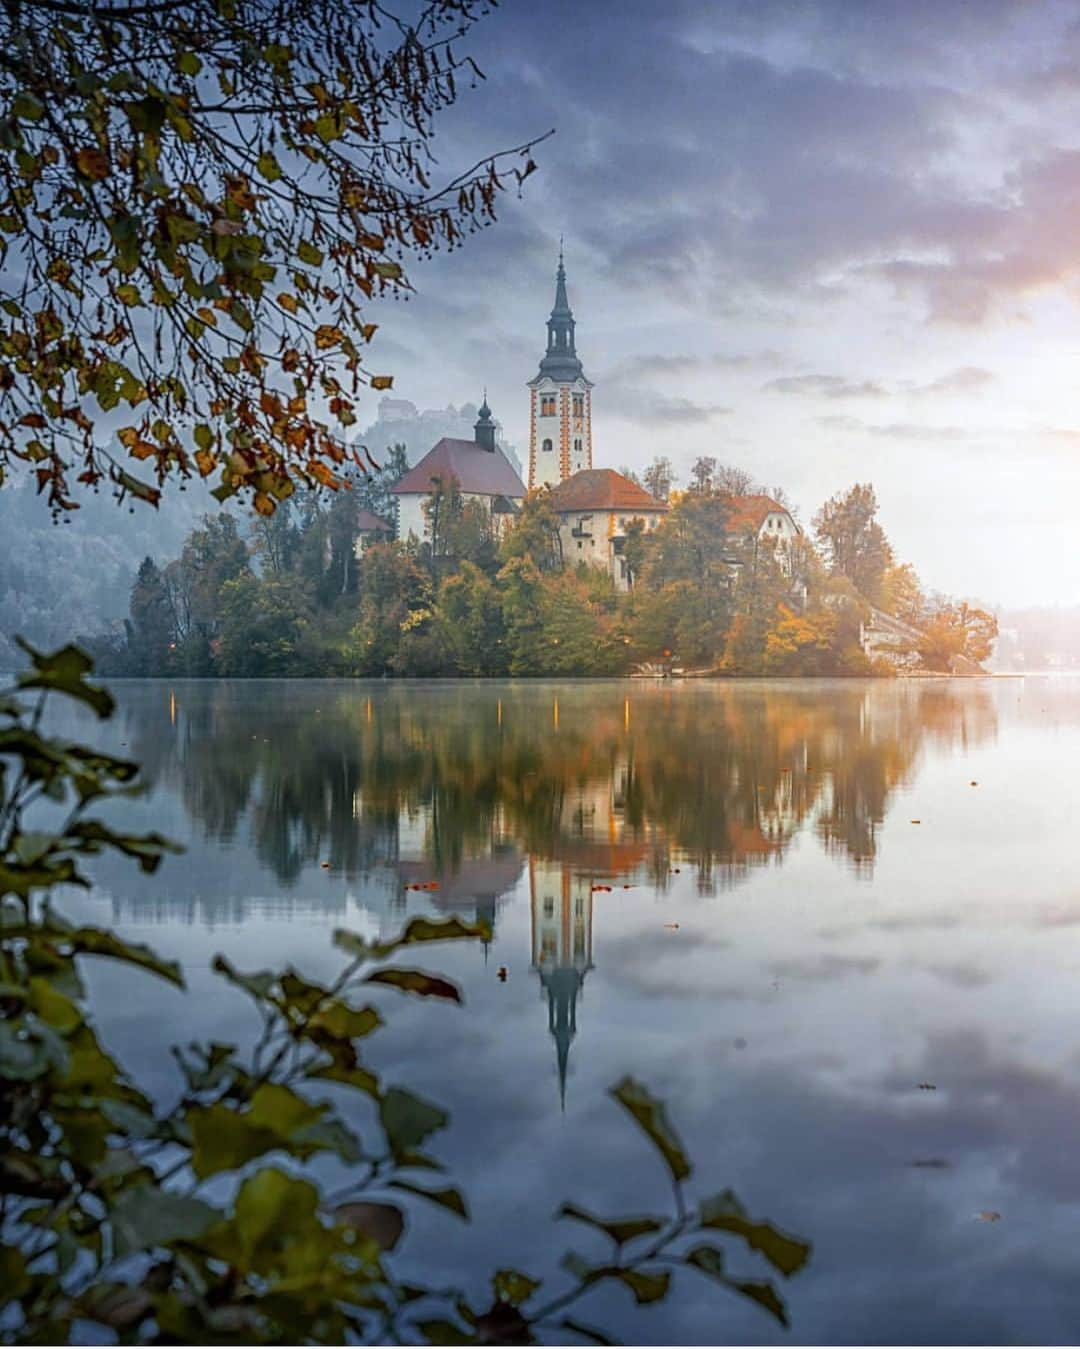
pixel 822 895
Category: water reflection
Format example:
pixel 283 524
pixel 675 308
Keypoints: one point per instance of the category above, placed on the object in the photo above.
pixel 828 957
pixel 401 782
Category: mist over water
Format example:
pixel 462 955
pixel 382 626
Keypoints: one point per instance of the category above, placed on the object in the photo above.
pixel 814 897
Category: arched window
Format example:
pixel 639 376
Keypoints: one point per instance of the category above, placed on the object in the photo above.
pixel 546 445
pixel 577 446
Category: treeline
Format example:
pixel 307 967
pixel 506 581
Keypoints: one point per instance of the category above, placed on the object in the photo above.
pixel 299 597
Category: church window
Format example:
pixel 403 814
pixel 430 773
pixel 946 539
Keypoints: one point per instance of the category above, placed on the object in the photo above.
pixel 546 445
pixel 549 907
pixel 547 405
pixel 580 544
pixel 577 446
pixel 579 405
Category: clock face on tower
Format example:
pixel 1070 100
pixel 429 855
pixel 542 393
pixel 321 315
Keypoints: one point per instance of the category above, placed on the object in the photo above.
pixel 560 414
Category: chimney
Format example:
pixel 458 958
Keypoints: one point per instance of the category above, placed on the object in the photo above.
pixel 485 428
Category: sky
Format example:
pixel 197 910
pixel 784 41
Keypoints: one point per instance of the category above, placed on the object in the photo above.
pixel 829 242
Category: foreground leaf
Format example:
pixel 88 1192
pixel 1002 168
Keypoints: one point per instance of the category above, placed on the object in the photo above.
pixel 651 1115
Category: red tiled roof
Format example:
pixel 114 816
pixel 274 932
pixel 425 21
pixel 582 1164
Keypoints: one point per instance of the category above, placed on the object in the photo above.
pixel 748 513
pixel 487 472
pixel 367 522
pixel 602 489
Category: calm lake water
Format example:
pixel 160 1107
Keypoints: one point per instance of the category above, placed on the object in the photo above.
pixel 874 886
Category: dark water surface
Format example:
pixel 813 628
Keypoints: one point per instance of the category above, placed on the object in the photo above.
pixel 855 917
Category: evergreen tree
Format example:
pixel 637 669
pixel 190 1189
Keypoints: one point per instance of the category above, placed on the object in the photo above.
pixel 151 634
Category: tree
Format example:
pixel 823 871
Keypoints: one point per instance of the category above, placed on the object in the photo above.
pixel 733 482
pixel 702 474
pixel 265 625
pixel 901 593
pixel 151 635
pixel 471 622
pixel 956 630
pixel 659 477
pixel 198 199
pixel 535 533
pixel 212 555
pixel 276 540
pixel 855 544
pixel 391 585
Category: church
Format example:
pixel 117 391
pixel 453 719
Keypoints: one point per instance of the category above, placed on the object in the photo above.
pixel 595 506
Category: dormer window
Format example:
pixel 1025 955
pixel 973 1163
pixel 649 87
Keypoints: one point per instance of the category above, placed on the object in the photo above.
pixel 547 405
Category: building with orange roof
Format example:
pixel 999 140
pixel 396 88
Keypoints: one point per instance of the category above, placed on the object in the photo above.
pixel 595 509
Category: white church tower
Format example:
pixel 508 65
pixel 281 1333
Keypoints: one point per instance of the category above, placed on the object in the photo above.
pixel 560 418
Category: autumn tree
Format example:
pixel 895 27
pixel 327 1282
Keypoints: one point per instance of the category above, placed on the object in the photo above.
pixel 956 630
pixel 703 474
pixel 734 482
pixel 198 199
pixel 659 477
pixel 854 543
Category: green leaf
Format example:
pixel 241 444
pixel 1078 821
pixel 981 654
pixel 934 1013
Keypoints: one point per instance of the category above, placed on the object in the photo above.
pixel 148 1216
pixel 223 1139
pixel 619 1230
pixel 646 1287
pixel 270 1204
pixel 416 981
pixel 29 1052
pixel 268 167
pixel 27 108
pixel 651 1115
pixel 709 1260
pixel 342 1022
pixel 259 985
pixel 92 941
pixel 724 1213
pixel 188 63
pixel 128 294
pixel 448 1198
pixel 440 929
pixel 14 1279
pixel 765 1295
pixel 510 1285
pixel 383 1223
pixel 407 1119
pixel 389 271
pixel 63 671
pixel 443 1332
pixel 308 253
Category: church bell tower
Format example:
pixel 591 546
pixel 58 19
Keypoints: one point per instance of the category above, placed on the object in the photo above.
pixel 560 416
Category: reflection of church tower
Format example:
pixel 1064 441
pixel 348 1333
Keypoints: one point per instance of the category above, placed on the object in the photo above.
pixel 561 948
pixel 560 419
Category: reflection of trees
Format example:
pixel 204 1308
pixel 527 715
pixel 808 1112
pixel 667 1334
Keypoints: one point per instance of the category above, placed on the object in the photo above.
pixel 606 777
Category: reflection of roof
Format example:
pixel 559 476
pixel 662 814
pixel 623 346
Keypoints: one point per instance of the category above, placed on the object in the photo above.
pixel 473 880
pixel 599 858
pixel 367 523
pixel 748 513
pixel 602 489
pixel 486 472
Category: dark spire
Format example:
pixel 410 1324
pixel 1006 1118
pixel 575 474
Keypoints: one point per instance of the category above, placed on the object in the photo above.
pixel 484 427
pixel 561 359
pixel 563 985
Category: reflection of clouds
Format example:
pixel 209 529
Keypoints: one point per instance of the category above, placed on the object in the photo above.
pixel 961 974
pixel 818 969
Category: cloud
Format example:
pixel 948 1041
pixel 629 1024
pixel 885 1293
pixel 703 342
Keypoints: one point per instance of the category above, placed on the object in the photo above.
pixel 965 379
pixel 823 969
pixel 906 431
pixel 826 386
